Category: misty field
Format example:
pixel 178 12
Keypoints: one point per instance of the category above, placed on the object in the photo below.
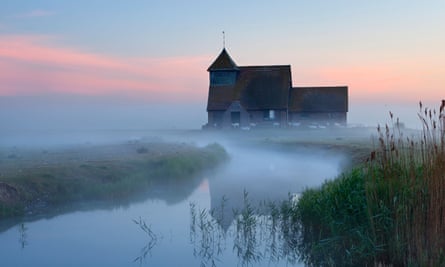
pixel 37 178
pixel 33 180
pixel 386 207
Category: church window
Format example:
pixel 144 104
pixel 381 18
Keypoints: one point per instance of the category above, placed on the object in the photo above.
pixel 222 78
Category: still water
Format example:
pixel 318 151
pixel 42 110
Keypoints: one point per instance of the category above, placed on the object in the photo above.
pixel 179 230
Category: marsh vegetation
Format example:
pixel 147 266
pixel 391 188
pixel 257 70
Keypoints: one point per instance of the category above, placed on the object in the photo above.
pixel 388 210
pixel 260 235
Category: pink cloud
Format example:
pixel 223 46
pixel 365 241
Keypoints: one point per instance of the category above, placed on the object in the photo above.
pixel 29 65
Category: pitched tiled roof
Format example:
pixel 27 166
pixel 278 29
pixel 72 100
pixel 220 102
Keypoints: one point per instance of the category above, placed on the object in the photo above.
pixel 264 87
pixel 257 87
pixel 319 99
pixel 223 62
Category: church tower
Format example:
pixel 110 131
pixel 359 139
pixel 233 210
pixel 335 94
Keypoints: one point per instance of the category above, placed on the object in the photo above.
pixel 223 71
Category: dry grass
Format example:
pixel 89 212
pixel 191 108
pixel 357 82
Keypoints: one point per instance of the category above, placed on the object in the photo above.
pixel 406 193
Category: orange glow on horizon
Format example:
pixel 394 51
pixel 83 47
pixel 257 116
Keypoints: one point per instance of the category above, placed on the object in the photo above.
pixel 397 83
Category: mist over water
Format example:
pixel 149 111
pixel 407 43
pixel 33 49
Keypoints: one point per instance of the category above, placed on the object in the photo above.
pixel 264 172
pixel 106 234
pixel 267 176
pixel 99 236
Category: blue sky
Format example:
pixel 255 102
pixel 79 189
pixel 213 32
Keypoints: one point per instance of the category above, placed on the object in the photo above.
pixel 387 52
pixel 173 28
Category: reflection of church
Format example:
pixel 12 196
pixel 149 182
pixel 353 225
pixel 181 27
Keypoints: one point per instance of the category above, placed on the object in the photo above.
pixel 267 174
pixel 229 197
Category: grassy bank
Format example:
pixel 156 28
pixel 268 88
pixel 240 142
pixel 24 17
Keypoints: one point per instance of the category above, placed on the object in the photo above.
pixel 111 179
pixel 388 211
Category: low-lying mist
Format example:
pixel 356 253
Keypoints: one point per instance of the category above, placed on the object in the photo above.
pixel 273 170
pixel 58 120
pixel 62 112
pixel 372 114
pixel 65 119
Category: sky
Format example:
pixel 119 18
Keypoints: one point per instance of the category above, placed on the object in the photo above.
pixel 101 59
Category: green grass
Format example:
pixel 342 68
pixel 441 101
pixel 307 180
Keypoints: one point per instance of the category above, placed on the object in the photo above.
pixel 55 185
pixel 10 210
pixel 334 223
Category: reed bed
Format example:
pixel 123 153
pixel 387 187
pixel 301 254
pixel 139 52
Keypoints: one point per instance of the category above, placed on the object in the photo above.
pixel 259 233
pixel 405 190
pixel 390 211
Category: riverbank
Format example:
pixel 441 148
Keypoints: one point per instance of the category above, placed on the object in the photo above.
pixel 35 180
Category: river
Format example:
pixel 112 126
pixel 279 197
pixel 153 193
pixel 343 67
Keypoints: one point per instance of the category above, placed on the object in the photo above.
pixel 176 229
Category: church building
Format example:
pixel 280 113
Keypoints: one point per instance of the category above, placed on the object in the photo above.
pixel 263 96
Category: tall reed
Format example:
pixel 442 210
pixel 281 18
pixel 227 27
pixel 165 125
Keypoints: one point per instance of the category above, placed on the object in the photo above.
pixel 389 211
pixel 405 192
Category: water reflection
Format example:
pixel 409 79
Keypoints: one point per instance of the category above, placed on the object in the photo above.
pixel 153 239
pixel 224 225
pixel 264 233
pixel 23 235
pixel 268 176
pixel 170 190
pixel 245 243
pixel 206 236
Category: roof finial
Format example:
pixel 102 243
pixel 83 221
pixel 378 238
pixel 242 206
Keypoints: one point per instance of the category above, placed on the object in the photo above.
pixel 224 39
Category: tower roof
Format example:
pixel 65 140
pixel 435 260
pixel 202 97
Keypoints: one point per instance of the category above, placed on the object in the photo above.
pixel 223 62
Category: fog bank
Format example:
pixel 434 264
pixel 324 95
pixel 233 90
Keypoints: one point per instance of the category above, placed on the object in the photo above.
pixel 96 113
pixel 67 112
pixel 67 119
